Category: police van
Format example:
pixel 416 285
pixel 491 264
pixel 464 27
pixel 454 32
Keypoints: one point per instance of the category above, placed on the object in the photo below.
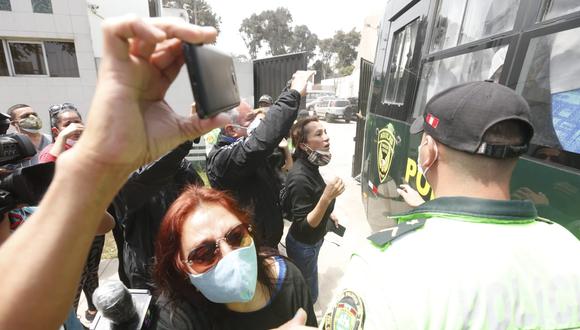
pixel 425 46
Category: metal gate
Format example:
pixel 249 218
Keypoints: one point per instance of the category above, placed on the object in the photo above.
pixel 366 72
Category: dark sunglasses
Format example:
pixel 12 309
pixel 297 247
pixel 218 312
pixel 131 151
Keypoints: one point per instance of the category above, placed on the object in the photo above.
pixel 205 255
pixel 57 108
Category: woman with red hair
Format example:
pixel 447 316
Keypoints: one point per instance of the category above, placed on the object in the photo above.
pixel 211 273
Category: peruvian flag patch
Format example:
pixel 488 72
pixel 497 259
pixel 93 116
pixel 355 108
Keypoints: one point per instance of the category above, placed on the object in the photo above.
pixel 432 120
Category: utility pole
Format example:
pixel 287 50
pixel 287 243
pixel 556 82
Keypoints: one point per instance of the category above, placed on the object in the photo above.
pixel 194 11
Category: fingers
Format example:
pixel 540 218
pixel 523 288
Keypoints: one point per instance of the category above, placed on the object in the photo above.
pixel 166 53
pixel 117 33
pixel 175 27
pixel 193 127
pixel 132 35
pixel 299 318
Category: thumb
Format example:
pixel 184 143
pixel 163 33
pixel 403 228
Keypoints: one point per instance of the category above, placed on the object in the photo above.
pixel 299 318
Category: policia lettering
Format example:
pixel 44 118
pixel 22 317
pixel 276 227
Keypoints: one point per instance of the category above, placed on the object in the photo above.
pixel 421 183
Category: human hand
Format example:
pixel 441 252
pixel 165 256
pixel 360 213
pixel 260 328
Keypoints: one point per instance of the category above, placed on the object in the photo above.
pixel 72 130
pixel 334 219
pixel 526 193
pixel 300 80
pixel 410 195
pixel 333 189
pixel 296 323
pixel 130 124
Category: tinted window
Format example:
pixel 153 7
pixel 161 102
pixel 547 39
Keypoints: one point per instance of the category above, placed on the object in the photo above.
pixel 341 103
pixel 556 8
pixel 62 59
pixel 27 58
pixel 3 65
pixel 400 62
pixel 5 5
pixel 549 82
pixel 42 6
pixel 462 21
pixel 441 74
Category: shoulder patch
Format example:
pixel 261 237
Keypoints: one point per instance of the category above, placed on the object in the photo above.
pixel 347 314
pixel 388 235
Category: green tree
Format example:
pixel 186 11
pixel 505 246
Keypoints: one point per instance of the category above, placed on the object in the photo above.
pixel 273 31
pixel 338 54
pixel 199 12
pixel 323 71
pixel 303 41
pixel 344 45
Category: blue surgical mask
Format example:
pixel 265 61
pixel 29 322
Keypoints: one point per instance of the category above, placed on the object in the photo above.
pixel 233 279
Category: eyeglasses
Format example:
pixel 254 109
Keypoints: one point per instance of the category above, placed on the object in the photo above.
pixel 57 108
pixel 205 255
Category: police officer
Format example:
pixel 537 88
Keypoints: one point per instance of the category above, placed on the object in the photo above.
pixel 471 258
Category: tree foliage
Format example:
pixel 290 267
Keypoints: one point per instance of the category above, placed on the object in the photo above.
pixel 199 12
pixel 272 30
pixel 337 54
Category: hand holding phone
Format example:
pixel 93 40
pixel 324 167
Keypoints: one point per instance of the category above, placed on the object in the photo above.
pixel 213 79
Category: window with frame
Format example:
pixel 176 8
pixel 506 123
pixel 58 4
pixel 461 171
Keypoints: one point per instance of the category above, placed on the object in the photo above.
pixel 442 74
pixel 3 64
pixel 61 58
pixel 556 8
pixel 42 6
pixel 549 82
pixel 399 63
pixel 27 58
pixel 462 21
pixel 5 5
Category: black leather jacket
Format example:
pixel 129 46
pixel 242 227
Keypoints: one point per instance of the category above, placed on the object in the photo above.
pixel 242 168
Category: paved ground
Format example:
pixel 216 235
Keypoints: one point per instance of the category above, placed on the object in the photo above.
pixel 335 251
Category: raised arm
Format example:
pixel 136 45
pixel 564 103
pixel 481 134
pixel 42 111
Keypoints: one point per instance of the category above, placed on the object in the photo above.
pixel 129 125
pixel 239 159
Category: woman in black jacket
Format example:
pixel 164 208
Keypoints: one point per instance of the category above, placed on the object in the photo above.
pixel 309 200
pixel 212 274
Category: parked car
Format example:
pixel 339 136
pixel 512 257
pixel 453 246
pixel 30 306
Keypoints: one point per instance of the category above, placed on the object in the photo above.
pixel 334 109
pixel 313 97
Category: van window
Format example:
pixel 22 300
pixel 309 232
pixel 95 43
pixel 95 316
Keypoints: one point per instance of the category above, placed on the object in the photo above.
pixel 400 62
pixel 442 74
pixel 462 21
pixel 549 82
pixel 557 8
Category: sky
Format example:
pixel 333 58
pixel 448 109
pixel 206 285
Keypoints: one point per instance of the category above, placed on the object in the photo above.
pixel 323 17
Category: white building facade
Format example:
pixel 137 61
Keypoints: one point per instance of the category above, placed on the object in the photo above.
pixel 46 55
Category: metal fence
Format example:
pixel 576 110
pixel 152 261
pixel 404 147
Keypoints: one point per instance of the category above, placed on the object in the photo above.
pixel 271 74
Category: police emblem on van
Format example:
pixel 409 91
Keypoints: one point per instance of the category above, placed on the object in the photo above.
pixel 385 150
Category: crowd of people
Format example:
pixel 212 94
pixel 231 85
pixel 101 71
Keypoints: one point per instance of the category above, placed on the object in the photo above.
pixel 209 254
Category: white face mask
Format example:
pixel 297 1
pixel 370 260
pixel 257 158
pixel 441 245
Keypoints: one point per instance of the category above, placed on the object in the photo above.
pixel 419 167
pixel 253 125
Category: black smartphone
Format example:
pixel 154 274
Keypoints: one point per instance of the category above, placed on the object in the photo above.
pixel 213 79
pixel 337 230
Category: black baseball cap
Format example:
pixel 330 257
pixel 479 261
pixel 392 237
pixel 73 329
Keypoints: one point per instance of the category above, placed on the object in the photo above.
pixel 459 116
